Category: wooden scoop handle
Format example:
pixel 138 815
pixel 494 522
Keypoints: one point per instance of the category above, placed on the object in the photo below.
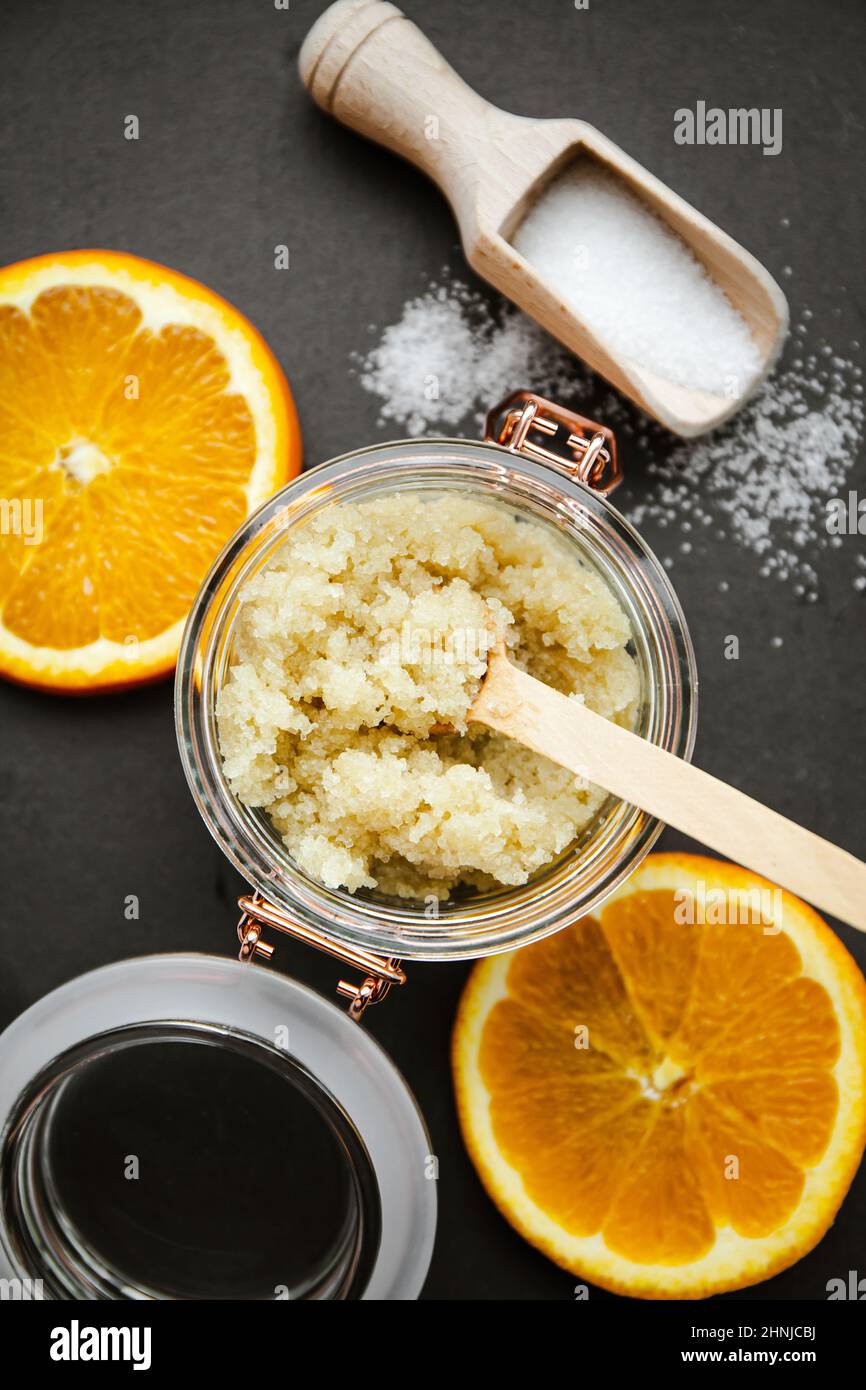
pixel 369 66
pixel 665 786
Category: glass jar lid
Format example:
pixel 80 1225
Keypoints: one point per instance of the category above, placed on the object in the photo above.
pixel 186 1127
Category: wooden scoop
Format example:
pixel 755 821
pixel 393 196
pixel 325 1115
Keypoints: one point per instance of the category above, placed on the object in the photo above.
pixel 661 784
pixel 367 64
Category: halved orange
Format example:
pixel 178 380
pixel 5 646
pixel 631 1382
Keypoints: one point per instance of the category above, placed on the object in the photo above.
pixel 667 1107
pixel 142 418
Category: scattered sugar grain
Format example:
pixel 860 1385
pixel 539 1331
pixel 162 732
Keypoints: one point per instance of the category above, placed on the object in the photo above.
pixel 769 473
pixel 761 482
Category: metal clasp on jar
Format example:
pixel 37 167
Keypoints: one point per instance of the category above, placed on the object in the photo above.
pixel 576 446
pixel 380 972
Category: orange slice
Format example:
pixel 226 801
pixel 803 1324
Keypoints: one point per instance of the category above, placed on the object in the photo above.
pixel 669 1107
pixel 142 418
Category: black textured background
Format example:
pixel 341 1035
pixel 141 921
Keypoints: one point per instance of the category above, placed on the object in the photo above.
pixel 233 159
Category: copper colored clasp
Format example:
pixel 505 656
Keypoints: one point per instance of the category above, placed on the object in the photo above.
pixel 577 446
pixel 380 972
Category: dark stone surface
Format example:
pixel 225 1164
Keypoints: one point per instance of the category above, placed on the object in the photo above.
pixel 234 159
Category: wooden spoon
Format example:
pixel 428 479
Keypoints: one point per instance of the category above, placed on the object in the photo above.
pixel 364 62
pixel 665 786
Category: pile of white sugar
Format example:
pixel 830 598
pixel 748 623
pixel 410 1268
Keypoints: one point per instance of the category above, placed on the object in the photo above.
pixel 758 485
pixel 635 283
pixel 447 360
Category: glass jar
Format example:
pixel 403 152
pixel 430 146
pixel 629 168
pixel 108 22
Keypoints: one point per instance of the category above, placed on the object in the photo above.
pixel 119 1176
pixel 533 482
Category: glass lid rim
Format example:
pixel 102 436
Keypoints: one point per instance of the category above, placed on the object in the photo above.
pixel 61 1247
pixel 352 1067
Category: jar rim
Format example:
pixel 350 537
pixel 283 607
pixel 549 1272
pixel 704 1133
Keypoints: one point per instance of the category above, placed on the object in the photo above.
pixel 591 869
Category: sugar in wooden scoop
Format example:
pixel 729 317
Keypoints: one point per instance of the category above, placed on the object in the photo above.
pixel 634 283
